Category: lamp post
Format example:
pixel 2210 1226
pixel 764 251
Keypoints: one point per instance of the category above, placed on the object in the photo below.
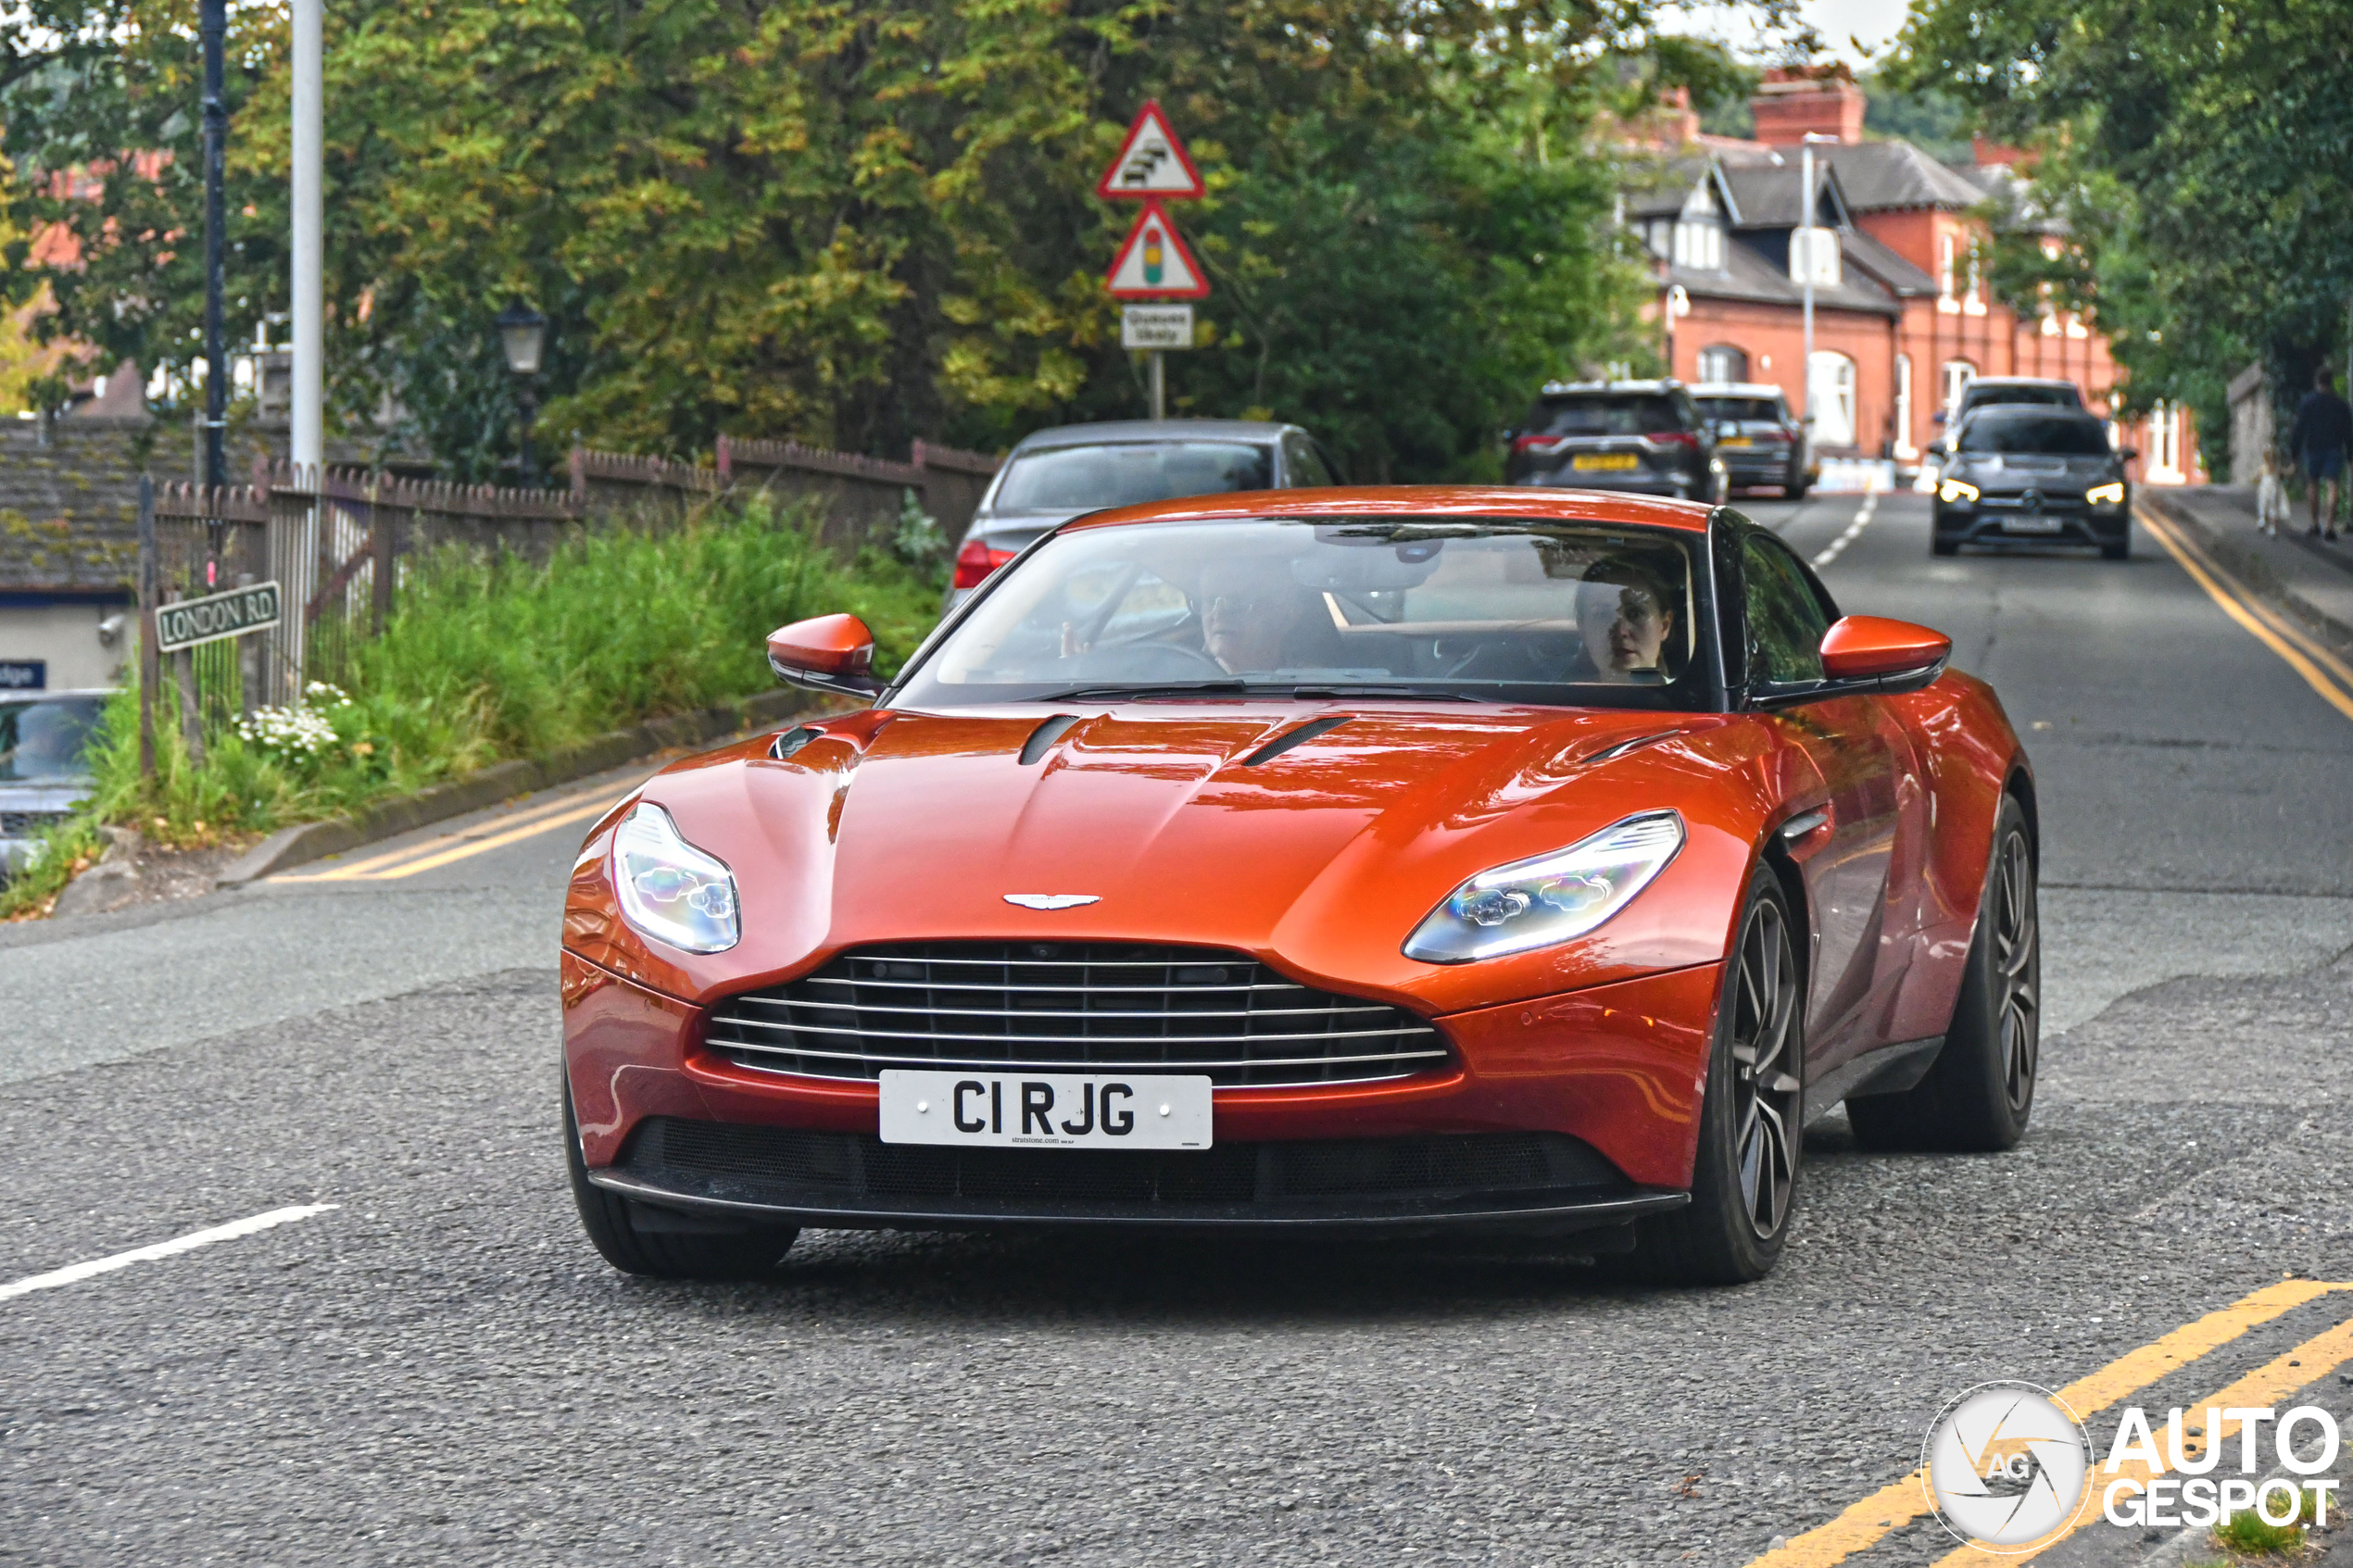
pixel 522 336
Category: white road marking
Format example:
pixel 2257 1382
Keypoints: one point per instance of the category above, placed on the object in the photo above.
pixel 73 1274
pixel 1862 520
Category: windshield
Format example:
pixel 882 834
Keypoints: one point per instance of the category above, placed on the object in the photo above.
pixel 42 741
pixel 1752 408
pixel 2036 433
pixel 1127 473
pixel 1493 610
pixel 1603 414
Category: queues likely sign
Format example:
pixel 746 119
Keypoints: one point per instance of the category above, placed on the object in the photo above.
pixel 186 623
pixel 1156 326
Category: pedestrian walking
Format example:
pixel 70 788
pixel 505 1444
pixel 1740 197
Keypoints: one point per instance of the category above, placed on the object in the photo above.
pixel 2322 431
pixel 2271 494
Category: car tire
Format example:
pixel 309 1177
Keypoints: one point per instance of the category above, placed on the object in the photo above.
pixel 638 1240
pixel 2119 549
pixel 1980 1092
pixel 1796 492
pixel 1939 545
pixel 1751 1126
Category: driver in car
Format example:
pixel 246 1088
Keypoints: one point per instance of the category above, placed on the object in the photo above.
pixel 1624 615
pixel 1247 611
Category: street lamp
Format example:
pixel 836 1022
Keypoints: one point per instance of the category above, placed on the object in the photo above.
pixel 523 335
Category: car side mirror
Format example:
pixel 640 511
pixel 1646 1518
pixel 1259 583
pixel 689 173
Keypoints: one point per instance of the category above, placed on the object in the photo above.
pixel 1938 449
pixel 1874 653
pixel 830 653
pixel 2129 454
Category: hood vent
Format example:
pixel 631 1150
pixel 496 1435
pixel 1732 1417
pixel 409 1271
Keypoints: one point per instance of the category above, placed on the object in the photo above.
pixel 792 740
pixel 1299 737
pixel 1041 739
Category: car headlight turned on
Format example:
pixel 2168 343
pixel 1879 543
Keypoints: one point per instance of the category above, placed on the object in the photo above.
pixel 1956 492
pixel 1535 903
pixel 2108 494
pixel 670 890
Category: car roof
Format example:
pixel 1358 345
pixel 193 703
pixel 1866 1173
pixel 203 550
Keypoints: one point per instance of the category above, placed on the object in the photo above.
pixel 1567 388
pixel 2034 412
pixel 1735 389
pixel 2053 383
pixel 1108 432
pixel 1510 503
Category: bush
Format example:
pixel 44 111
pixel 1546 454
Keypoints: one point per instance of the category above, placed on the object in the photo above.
pixel 491 659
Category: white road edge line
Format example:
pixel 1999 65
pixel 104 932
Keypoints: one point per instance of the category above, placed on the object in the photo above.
pixel 73 1274
pixel 1862 520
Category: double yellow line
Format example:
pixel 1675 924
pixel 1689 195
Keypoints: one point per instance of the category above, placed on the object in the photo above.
pixel 2321 666
pixel 1898 1504
pixel 397 863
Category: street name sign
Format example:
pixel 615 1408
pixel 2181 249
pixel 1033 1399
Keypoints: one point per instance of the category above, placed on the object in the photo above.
pixel 1152 262
pixel 1152 163
pixel 1156 326
pixel 186 622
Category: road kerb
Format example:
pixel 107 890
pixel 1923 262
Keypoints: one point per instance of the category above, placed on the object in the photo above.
pixel 2322 670
pixel 1864 1524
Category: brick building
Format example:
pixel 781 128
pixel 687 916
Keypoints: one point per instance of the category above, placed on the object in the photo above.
pixel 1902 320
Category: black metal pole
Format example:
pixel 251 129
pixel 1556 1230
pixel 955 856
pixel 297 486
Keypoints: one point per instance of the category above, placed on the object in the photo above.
pixel 530 399
pixel 214 25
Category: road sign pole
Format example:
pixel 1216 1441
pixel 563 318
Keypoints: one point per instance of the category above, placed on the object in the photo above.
pixel 150 662
pixel 1160 386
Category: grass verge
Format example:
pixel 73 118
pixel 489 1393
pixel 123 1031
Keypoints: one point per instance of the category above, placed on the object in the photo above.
pixel 491 659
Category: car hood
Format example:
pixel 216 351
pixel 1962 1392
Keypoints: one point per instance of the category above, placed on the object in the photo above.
pixel 915 826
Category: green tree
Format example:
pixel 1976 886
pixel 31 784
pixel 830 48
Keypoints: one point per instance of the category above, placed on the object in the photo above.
pixel 2196 155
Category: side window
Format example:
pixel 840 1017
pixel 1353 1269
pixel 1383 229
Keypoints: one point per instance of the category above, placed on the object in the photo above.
pixel 1303 465
pixel 1785 620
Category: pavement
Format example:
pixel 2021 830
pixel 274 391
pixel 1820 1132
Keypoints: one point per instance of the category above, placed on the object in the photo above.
pixel 436 1368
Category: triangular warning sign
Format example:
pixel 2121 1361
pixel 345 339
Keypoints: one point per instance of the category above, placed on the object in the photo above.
pixel 1151 162
pixel 1152 262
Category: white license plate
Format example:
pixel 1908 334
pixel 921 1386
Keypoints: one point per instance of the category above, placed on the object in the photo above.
pixel 2030 524
pixel 1045 1110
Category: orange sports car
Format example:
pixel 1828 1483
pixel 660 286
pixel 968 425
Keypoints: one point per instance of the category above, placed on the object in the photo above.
pixel 1387 859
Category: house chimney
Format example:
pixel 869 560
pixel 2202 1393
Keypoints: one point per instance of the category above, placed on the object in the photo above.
pixel 1995 155
pixel 1818 99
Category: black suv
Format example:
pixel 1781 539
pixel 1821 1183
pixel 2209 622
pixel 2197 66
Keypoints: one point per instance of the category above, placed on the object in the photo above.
pixel 2017 472
pixel 1647 436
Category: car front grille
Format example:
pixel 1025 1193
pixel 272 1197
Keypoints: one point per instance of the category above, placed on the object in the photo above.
pixel 1055 1007
pixel 24 825
pixel 780 1164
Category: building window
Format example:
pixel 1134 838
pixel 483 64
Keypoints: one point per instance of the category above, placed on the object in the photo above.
pixel 2165 445
pixel 1973 302
pixel 1830 395
pixel 1814 252
pixel 1699 246
pixel 1944 255
pixel 1958 373
pixel 1904 448
pixel 1721 361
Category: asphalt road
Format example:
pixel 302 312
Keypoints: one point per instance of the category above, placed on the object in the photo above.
pixel 439 1369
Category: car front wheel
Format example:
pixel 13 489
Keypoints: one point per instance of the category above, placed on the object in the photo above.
pixel 1751 1130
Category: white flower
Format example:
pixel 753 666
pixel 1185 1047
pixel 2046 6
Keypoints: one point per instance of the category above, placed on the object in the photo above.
pixel 290 732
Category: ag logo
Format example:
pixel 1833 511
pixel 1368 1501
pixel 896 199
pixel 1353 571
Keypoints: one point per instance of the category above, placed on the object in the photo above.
pixel 2006 1466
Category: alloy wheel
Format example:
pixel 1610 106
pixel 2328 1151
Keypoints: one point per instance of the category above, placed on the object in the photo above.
pixel 1765 1086
pixel 2018 969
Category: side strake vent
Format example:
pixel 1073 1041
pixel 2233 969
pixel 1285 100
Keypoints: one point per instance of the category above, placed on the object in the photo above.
pixel 1299 737
pixel 1063 1007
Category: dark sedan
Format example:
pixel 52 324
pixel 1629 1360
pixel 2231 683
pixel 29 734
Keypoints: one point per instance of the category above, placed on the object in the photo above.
pixel 2045 475
pixel 1647 437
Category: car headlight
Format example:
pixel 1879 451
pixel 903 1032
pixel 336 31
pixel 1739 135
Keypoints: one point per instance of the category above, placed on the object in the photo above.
pixel 2109 494
pixel 1535 903
pixel 670 890
pixel 1954 491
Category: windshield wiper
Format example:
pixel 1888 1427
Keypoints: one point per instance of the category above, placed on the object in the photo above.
pixel 1170 688
pixel 1251 688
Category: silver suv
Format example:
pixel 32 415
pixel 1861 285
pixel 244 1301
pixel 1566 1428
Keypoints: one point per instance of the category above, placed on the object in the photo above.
pixel 1054 475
